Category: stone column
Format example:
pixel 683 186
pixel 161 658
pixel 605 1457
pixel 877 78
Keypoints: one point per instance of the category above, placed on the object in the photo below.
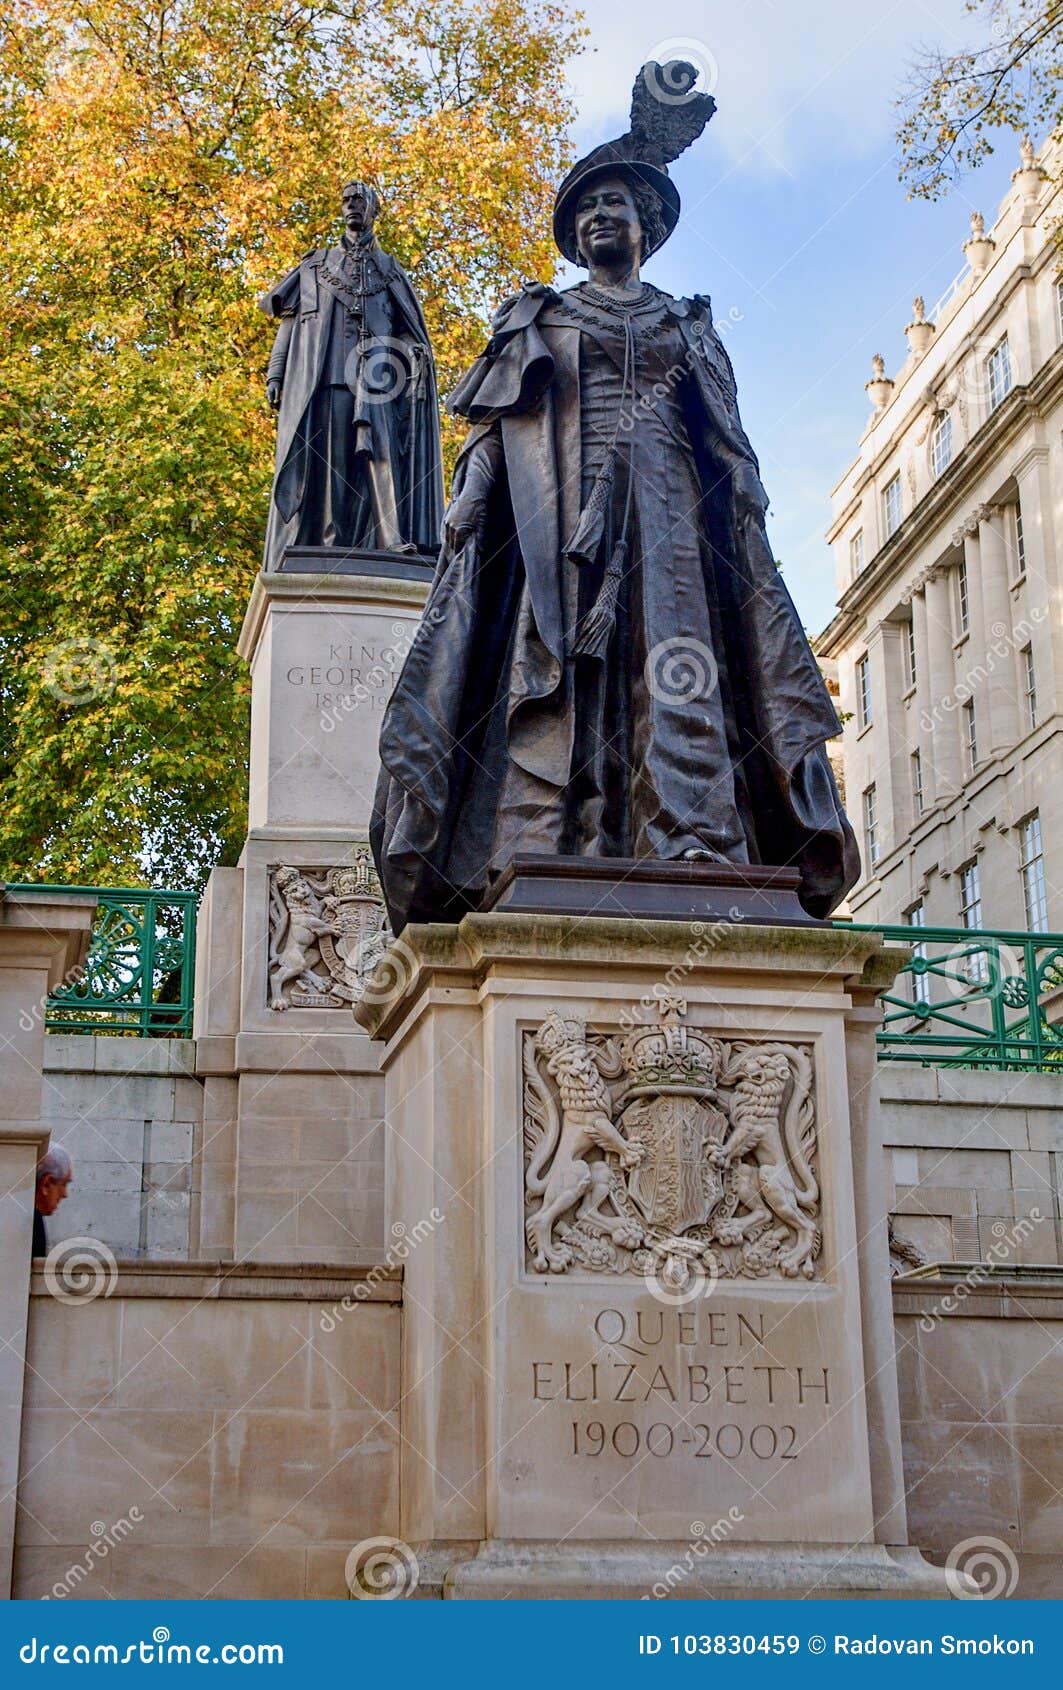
pixel 41 940
pixel 943 766
pixel 1033 475
pixel 292 1155
pixel 887 771
pixel 999 729
pixel 870 1183
pixel 923 723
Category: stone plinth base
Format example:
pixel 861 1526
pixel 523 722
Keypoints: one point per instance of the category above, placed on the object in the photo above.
pixel 293 1159
pixel 684 1571
pixel 648 889
pixel 636 1165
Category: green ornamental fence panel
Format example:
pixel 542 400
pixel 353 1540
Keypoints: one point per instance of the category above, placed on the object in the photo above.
pixel 138 976
pixel 989 999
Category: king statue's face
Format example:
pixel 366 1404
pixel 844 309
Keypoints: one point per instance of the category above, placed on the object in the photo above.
pixel 608 230
pixel 357 208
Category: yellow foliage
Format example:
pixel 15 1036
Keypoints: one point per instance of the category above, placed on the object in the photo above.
pixel 160 164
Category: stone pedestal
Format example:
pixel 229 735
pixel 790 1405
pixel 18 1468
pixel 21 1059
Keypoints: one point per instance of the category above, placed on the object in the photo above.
pixel 41 940
pixel 646 1342
pixel 292 1163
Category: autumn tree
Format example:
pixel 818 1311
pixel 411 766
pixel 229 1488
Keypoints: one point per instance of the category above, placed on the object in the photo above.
pixel 161 161
pixel 955 101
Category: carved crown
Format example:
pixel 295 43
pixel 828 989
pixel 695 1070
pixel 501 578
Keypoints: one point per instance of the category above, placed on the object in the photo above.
pixel 558 1031
pixel 671 1058
pixel 356 881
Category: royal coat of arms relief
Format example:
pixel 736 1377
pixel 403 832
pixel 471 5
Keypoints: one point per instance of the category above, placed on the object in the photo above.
pixel 327 932
pixel 668 1149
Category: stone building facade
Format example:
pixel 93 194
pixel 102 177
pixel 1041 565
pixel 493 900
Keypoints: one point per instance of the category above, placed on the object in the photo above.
pixel 948 638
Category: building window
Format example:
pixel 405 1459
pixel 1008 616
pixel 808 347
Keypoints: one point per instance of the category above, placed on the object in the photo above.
pixel 1032 864
pixel 915 916
pixel 863 692
pixel 1018 542
pixel 892 505
pixel 1029 684
pixel 941 444
pixel 998 370
pixel 970 735
pixel 871 839
pixel 1059 308
pixel 911 673
pixel 856 553
pixel 917 782
pixel 963 598
pixel 971 916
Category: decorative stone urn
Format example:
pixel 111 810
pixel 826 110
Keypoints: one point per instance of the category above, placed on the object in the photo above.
pixel 1029 176
pixel 880 388
pixel 920 332
pixel 980 248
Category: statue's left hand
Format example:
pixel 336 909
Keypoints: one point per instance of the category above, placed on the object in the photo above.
pixel 750 498
pixel 463 515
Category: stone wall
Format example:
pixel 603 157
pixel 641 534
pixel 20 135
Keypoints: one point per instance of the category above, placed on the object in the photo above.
pixel 206 1431
pixel 217 1428
pixel 130 1113
pixel 977 1162
pixel 982 1419
pixel 160 1152
pixel 209 1431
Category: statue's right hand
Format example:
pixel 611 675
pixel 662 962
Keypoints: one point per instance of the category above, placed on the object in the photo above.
pixel 462 517
pixel 274 389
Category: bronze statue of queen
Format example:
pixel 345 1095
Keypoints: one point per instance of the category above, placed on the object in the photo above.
pixel 609 665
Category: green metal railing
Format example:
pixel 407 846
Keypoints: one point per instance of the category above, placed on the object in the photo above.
pixel 991 999
pixel 137 978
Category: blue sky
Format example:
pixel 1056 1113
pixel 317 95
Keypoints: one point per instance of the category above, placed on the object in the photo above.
pixel 794 220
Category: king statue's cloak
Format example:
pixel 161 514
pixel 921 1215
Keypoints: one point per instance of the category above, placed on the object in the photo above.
pixel 500 613
pixel 401 380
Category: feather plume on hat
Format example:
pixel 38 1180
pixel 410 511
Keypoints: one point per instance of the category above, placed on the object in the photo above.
pixel 667 116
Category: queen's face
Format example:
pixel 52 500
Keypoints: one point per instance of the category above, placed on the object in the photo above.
pixel 608 230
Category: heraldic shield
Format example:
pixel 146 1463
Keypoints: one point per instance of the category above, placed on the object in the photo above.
pixel 676 1185
pixel 673 1119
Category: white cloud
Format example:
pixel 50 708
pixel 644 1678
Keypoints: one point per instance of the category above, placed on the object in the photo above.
pixel 792 80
